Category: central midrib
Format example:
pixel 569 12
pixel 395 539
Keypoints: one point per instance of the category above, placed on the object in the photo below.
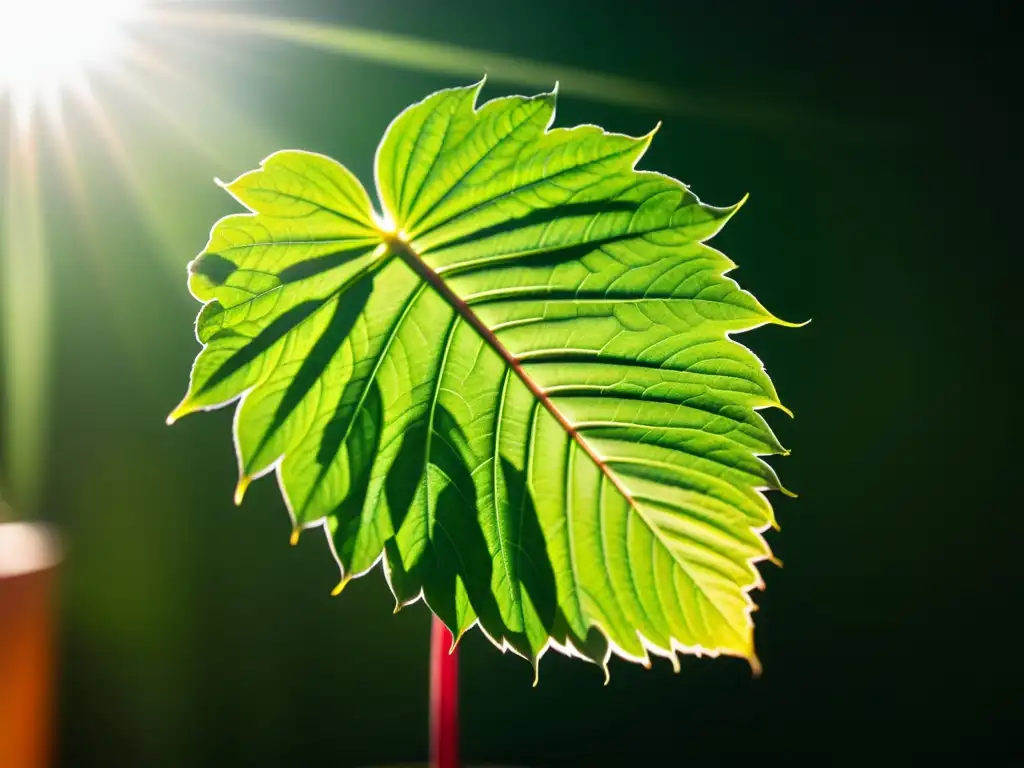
pixel 404 251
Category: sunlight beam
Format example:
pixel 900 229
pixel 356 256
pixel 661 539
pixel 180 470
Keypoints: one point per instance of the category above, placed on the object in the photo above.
pixel 428 56
pixel 446 59
pixel 45 45
pixel 422 55
pixel 24 280
pixel 176 87
pixel 155 216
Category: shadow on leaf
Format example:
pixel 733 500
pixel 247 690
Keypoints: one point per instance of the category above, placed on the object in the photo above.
pixel 455 546
pixel 349 307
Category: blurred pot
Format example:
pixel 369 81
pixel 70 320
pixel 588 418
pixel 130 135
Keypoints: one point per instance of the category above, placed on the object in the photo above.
pixel 29 556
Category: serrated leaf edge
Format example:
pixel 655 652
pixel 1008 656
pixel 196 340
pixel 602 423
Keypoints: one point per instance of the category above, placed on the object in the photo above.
pixel 391 234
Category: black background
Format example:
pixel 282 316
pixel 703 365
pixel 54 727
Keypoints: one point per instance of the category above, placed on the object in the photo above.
pixel 192 634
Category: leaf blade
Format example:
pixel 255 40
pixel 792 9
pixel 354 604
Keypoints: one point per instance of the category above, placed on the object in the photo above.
pixel 517 387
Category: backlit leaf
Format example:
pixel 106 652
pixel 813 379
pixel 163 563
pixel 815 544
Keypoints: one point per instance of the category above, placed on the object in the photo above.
pixel 515 383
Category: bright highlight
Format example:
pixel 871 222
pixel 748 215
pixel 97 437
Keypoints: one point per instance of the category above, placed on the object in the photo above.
pixel 48 45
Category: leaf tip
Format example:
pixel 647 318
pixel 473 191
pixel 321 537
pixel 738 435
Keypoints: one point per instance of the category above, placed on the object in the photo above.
pixel 755 665
pixel 182 409
pixel 730 210
pixel 458 638
pixel 294 538
pixel 240 489
pixel 724 214
pixel 341 585
pixel 788 324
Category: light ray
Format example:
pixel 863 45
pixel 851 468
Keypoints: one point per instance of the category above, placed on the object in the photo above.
pixel 153 213
pixel 428 56
pixel 447 59
pixel 54 111
pixel 146 59
pixel 146 96
pixel 24 280
pixel 47 44
pixel 89 245
pixel 247 138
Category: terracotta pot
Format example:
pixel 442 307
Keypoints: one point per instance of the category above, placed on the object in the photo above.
pixel 29 555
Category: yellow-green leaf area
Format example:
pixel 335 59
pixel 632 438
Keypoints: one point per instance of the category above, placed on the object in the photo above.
pixel 515 384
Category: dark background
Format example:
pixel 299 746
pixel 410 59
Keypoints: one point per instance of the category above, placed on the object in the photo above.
pixel 193 635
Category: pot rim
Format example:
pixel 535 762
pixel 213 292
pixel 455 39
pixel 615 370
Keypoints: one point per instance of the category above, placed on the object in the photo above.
pixel 27 548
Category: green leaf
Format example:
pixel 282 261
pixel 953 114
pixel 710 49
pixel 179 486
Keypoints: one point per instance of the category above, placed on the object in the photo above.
pixel 516 384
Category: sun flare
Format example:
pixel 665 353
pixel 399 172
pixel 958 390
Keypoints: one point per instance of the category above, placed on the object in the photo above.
pixel 48 45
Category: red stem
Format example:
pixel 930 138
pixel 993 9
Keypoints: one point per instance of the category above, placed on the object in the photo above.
pixel 444 698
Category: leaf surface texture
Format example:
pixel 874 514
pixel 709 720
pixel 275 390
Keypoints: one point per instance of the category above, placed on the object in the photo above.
pixel 515 384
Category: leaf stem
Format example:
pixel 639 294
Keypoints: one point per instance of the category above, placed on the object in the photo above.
pixel 444 697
